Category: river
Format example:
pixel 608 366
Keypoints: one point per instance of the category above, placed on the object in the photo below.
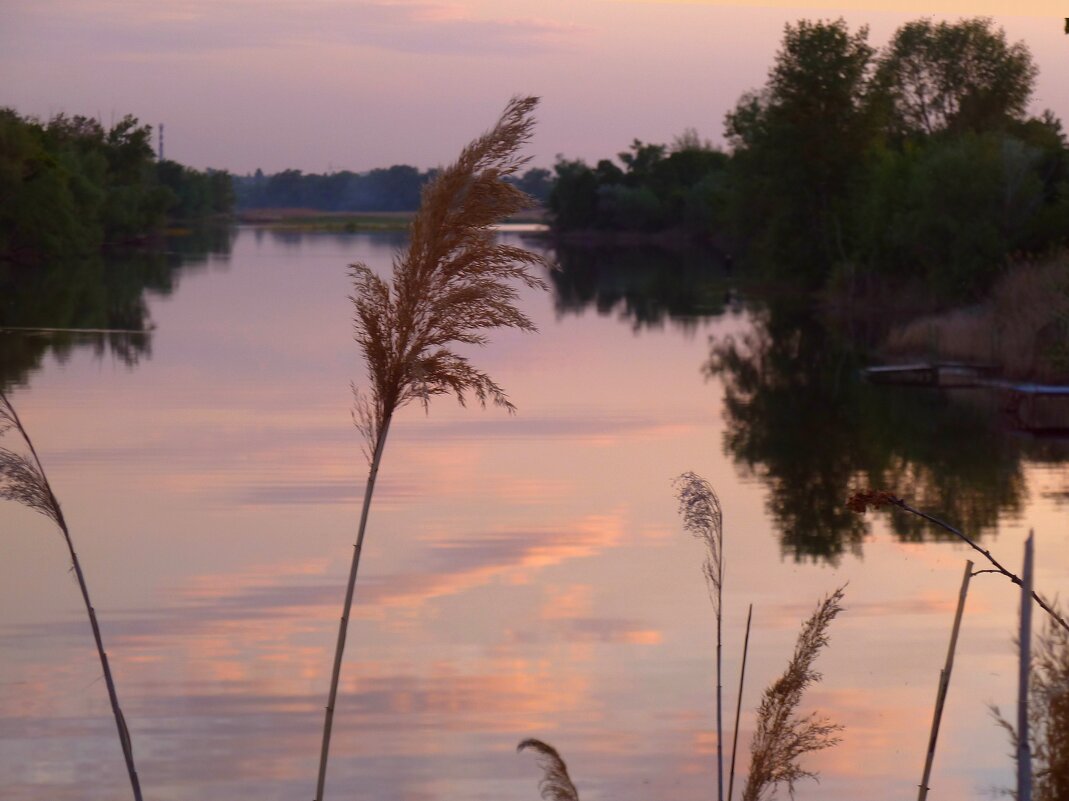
pixel 523 576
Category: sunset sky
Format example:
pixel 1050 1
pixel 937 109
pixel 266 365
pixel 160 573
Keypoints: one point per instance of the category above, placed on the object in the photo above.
pixel 344 84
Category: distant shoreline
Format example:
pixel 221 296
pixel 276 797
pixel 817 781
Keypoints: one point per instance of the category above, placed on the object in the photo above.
pixel 297 219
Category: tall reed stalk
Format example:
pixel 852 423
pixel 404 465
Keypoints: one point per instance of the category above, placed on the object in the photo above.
pixel 1048 715
pixel 738 704
pixel 944 684
pixel 454 282
pixel 24 480
pixel 704 519
pixel 1024 669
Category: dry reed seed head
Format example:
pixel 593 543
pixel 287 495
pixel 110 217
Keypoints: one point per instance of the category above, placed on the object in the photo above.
pixel 22 482
pixel 556 784
pixel 451 285
pixel 781 737
pixel 7 415
pixel 704 519
pixel 699 506
pixel 861 501
pixel 20 478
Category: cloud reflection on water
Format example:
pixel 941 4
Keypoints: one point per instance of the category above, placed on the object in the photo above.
pixel 526 576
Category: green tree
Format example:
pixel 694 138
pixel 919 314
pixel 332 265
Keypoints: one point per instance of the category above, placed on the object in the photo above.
pixel 49 204
pixel 799 146
pixel 536 182
pixel 641 162
pixel 574 199
pixel 954 77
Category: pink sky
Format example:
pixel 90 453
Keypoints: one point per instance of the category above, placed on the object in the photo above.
pixel 347 84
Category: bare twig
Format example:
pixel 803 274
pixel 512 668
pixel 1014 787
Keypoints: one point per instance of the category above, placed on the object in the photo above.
pixel 861 501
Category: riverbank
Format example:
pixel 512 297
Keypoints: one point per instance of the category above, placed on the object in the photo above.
pixel 1021 330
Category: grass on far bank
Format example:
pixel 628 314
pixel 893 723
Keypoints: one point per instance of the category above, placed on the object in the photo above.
pixel 1021 330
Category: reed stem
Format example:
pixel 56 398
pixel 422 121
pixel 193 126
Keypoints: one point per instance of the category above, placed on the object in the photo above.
pixel 944 683
pixel 738 703
pixel 113 695
pixel 339 650
pixel 719 685
pixel 1024 750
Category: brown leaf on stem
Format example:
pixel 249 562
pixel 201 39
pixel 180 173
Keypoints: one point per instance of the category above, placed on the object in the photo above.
pixel 861 501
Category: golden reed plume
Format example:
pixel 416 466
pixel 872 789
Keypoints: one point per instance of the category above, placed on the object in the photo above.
pixel 782 736
pixel 453 283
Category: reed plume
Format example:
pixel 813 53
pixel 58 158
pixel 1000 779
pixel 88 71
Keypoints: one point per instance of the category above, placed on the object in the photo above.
pixel 556 784
pixel 704 519
pixel 452 284
pixel 24 481
pixel 782 736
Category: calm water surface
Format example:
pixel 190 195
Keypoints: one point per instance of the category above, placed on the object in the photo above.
pixel 523 576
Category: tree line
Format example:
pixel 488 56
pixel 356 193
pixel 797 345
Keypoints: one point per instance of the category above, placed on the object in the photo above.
pixel 854 166
pixel 70 187
pixel 395 188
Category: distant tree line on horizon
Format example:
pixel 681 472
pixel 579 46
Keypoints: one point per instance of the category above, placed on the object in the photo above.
pixel 71 187
pixel 395 188
pixel 917 164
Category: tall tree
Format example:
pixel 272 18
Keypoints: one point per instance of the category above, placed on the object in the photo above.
pixel 799 142
pixel 954 77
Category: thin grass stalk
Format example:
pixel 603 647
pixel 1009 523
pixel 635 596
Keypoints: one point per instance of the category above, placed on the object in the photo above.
pixel 55 512
pixel 860 501
pixel 1024 750
pixel 944 683
pixel 343 627
pixel 738 704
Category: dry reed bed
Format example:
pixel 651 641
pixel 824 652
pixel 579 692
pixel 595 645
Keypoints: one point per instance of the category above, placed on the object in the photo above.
pixel 1022 330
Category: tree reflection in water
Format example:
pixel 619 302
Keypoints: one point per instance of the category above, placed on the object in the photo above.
pixel 647 286
pixel 803 421
pixel 102 293
pixel 800 417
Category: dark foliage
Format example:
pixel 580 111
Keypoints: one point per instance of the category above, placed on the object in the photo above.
pixel 70 186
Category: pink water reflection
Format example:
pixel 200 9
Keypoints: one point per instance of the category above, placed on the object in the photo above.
pixel 523 576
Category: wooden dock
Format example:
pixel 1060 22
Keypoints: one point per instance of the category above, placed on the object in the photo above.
pixel 930 374
pixel 1037 408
